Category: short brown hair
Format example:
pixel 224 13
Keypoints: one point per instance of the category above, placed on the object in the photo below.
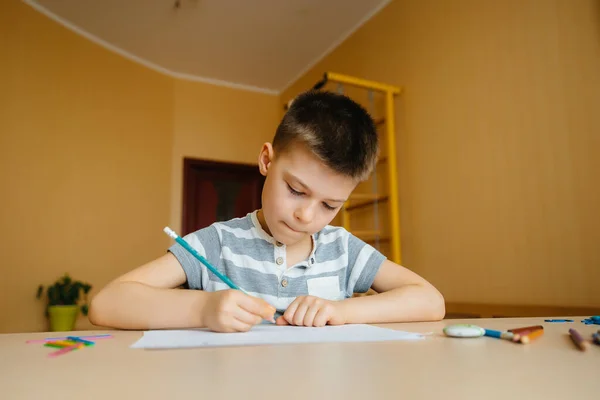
pixel 339 131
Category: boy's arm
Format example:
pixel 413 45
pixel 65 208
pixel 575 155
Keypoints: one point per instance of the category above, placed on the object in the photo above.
pixel 146 298
pixel 402 296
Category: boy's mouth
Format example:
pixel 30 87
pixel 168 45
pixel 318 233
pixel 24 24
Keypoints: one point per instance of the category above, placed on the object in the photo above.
pixel 292 229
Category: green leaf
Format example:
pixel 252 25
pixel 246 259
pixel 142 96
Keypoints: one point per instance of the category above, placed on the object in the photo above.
pixel 65 291
pixel 53 295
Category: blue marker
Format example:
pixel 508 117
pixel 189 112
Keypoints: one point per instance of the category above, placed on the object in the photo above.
pixel 558 320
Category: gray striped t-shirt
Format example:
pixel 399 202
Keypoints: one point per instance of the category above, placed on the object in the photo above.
pixel 339 264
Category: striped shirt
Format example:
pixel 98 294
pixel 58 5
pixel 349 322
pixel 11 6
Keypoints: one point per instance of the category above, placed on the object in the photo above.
pixel 339 264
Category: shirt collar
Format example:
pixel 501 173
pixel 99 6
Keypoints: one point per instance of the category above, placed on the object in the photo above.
pixel 264 235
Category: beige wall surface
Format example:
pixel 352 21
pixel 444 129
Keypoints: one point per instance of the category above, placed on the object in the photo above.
pixel 498 137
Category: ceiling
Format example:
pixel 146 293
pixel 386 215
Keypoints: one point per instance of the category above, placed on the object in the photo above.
pixel 261 45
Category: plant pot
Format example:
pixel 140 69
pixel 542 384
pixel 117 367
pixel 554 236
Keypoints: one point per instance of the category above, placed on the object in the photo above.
pixel 62 318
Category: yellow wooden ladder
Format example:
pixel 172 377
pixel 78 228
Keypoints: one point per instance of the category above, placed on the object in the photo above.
pixel 364 199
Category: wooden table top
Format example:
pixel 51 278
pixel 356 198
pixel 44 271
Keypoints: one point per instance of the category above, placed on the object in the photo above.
pixel 438 367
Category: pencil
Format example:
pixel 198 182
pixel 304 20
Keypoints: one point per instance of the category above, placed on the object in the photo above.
pixel 50 339
pixel 499 334
pixel 578 340
pixel 203 260
pixel 520 332
pixel 527 338
pixel 526 329
pixel 60 343
pixel 80 340
pixel 65 350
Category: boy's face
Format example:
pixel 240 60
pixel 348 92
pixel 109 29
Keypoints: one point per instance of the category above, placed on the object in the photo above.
pixel 301 195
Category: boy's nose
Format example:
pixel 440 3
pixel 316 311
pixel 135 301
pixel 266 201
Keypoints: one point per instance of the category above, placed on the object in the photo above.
pixel 304 214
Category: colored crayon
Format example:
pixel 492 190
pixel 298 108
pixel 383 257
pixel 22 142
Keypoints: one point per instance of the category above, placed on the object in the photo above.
pixel 529 336
pixel 578 340
pixel 65 350
pixel 520 332
pixel 526 329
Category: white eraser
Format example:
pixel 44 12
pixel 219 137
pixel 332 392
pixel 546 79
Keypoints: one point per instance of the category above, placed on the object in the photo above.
pixel 464 331
pixel 170 232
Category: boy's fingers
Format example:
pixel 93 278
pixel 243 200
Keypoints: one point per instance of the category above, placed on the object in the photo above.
pixel 246 317
pixel 281 321
pixel 240 326
pixel 309 317
pixel 300 313
pixel 291 310
pixel 257 306
pixel 321 318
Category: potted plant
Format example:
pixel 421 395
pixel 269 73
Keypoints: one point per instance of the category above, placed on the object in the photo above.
pixel 63 302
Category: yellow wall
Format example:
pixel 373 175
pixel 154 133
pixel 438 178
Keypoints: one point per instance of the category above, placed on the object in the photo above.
pixel 498 134
pixel 89 146
pixel 84 162
pixel 497 131
pixel 217 123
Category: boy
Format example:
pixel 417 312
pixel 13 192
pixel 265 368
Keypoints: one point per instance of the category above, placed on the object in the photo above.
pixel 296 267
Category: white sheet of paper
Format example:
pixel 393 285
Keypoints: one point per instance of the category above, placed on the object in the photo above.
pixel 269 334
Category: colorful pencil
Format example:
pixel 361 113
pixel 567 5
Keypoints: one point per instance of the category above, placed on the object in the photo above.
pixel 80 340
pixel 65 350
pixel 596 337
pixel 558 320
pixel 499 334
pixel 61 343
pixel 578 340
pixel 526 329
pixel 528 337
pixel 520 332
pixel 51 339
pixel 56 345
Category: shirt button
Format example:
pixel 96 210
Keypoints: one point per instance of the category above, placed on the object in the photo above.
pixel 279 261
pixel 284 283
pixel 279 244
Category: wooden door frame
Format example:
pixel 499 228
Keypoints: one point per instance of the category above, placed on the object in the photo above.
pixel 195 164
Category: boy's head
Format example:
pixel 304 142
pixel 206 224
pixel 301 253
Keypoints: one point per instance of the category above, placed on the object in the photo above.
pixel 324 146
pixel 337 130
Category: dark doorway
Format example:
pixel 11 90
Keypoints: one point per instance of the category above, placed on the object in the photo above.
pixel 218 191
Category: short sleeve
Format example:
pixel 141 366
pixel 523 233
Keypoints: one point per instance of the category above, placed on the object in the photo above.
pixel 206 242
pixel 364 262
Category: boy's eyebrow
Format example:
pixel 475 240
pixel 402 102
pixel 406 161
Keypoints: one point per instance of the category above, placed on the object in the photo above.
pixel 306 187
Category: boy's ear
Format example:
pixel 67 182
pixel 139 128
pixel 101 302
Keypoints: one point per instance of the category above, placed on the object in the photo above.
pixel 265 158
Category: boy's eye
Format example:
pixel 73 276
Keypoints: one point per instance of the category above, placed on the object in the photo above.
pixel 294 192
pixel 328 207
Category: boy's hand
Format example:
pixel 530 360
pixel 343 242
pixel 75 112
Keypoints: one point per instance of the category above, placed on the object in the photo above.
pixel 312 311
pixel 234 311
